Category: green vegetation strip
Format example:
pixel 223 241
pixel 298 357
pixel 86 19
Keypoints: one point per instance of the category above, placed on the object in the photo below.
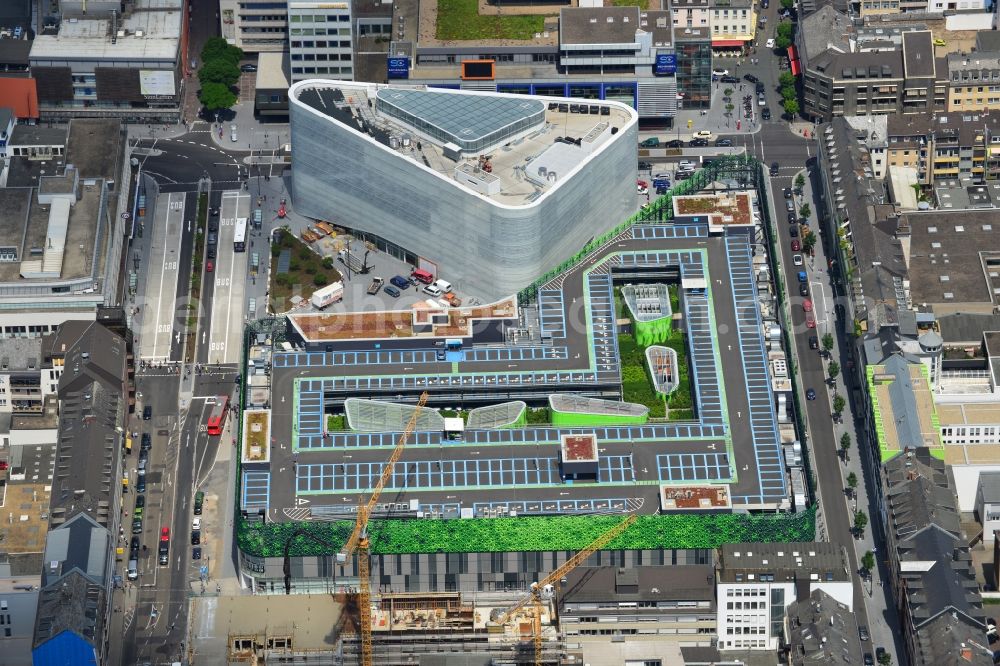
pixel 496 535
pixel 307 271
pixel 460 20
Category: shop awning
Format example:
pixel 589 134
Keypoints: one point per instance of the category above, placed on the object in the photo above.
pixel 795 68
pixel 792 55
pixel 727 43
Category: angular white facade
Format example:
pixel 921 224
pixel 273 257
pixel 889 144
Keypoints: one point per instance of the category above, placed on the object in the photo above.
pixel 487 247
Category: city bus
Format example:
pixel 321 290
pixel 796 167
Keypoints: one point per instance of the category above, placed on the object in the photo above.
pixel 240 237
pixel 217 419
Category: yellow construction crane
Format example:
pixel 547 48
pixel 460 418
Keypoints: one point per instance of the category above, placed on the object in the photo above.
pixel 359 537
pixel 535 597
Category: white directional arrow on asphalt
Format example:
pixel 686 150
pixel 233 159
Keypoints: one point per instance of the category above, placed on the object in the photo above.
pixel 203 337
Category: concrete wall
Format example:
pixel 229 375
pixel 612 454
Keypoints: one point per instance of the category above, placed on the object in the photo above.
pixel 484 249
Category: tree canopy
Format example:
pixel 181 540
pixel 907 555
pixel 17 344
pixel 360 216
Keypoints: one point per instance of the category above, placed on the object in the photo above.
pixel 216 96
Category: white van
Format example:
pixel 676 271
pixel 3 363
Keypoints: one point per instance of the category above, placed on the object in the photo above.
pixel 443 285
pixel 133 569
pixel 432 290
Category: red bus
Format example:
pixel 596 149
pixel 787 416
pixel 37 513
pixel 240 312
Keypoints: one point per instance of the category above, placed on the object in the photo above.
pixel 217 419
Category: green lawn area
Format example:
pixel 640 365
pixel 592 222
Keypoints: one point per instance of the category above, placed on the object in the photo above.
pixel 307 271
pixel 641 4
pixel 636 383
pixel 336 422
pixel 460 20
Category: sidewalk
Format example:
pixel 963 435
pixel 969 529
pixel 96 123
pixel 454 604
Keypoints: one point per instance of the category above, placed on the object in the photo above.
pixel 251 133
pixel 715 120
pixel 882 620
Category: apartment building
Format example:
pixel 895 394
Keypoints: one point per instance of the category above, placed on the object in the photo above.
pixel 757 582
pixel 820 631
pixel 734 23
pixel 974 81
pixel 74 602
pixel 949 146
pixel 648 609
pixel 931 569
pixel 849 73
pixel 690 13
pixel 320 44
pixel 883 7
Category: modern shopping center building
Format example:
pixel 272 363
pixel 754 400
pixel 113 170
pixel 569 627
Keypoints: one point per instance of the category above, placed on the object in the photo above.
pixel 494 189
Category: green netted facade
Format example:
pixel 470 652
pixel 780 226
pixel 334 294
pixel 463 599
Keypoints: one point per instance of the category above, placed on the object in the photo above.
pixel 492 535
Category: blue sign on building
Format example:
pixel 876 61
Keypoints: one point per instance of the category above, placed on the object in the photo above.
pixel 399 68
pixel 666 63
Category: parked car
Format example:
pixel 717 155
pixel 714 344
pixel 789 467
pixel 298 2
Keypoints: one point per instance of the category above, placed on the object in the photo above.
pixel 765 114
pixel 810 320
pixel 147 441
pixel 863 632
pixel 751 78
pixel 796 245
pixel 391 290
pixel 147 412
pixel 810 394
pixel 663 175
pixel 716 73
pixel 248 67
pixel 196 553
pixel 675 143
pixel 645 166
pixel 807 305
pixel 140 501
pixel 698 143
pixel 797 259
pixel 774 168
pixel 813 342
pixel 792 219
pixel 137 526
pixel 199 500
pixel 787 192
pixel 879 652
pixel 803 289
pixel 702 134
pixel 195 537
pixel 211 252
pixel 730 79
pixel 723 142
pixel 769 44
pixel 759 87
pixel 140 482
pixel 869 659
pixel 209 267
pixel 793 231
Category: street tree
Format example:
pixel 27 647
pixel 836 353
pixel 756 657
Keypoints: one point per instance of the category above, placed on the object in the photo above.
pixel 216 96
pixel 729 109
pixel 805 210
pixel 838 403
pixel 791 107
pixel 219 71
pixel 868 561
pixel 828 343
pixel 784 35
pixel 852 482
pixel 800 180
pixel 860 522
pixel 845 443
pixel 808 242
pixel 217 48
pixel 787 4
pixel 833 370
pixel 885 659
pixel 727 92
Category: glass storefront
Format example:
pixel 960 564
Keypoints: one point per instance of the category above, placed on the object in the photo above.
pixel 694 74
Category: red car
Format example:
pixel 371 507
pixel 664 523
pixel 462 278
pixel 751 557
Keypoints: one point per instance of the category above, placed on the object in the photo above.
pixel 164 534
pixel 807 305
pixel 796 245
pixel 810 320
pixel 209 267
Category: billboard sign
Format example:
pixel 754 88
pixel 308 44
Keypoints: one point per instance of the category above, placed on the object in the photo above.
pixel 399 68
pixel 666 64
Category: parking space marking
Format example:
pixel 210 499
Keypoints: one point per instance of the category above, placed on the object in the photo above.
pixel 686 467
pixel 256 491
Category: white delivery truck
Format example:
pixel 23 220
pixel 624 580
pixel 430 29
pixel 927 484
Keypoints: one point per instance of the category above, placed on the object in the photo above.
pixel 331 293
